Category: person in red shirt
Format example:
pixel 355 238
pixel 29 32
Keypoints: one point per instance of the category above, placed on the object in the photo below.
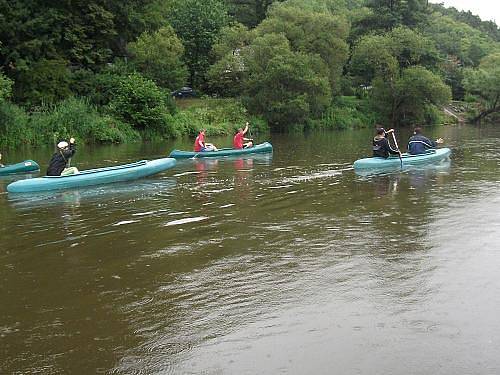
pixel 239 139
pixel 200 145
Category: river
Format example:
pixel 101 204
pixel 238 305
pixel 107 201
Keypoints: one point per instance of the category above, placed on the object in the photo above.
pixel 290 263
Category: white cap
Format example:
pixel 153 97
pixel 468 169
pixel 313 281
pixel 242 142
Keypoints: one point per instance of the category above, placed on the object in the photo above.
pixel 62 144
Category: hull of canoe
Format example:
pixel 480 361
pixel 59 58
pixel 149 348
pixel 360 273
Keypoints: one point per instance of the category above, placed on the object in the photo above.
pixel 260 148
pixel 92 177
pixel 394 162
pixel 23 167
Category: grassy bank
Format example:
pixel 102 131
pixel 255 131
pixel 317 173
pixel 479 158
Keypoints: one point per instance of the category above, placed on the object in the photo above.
pixel 90 124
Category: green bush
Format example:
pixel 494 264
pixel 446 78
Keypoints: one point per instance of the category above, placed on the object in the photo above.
pixel 142 104
pixel 77 118
pixel 43 82
pixel 100 87
pixel 5 87
pixel 14 126
pixel 218 116
pixel 346 112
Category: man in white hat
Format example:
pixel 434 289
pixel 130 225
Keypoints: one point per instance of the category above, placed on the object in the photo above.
pixel 60 159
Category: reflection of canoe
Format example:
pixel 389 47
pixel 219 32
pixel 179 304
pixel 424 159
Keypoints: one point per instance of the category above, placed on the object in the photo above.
pixel 119 193
pixel 408 160
pixel 260 148
pixel 23 167
pixel 90 177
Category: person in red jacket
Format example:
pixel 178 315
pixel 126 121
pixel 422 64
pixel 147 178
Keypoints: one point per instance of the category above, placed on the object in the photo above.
pixel 239 139
pixel 200 145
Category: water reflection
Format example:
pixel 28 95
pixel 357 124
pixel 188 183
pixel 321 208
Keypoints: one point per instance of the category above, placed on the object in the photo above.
pixel 95 194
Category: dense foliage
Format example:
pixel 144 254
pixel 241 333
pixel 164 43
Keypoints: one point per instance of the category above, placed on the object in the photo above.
pixel 288 63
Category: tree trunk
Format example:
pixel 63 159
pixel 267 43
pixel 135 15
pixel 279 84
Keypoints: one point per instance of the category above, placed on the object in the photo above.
pixel 483 114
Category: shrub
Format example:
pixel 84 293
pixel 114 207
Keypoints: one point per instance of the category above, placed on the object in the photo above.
pixel 346 112
pixel 141 103
pixel 43 82
pixel 14 126
pixel 77 118
pixel 100 87
pixel 5 87
pixel 218 116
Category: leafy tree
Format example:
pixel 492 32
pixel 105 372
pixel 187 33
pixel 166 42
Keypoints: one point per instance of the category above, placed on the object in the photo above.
pixel 249 12
pixel 484 83
pixel 227 75
pixel 384 55
pixel 197 23
pixel 403 90
pixel 488 27
pixel 158 56
pixel 311 32
pixel 459 40
pixel 45 82
pixel 388 14
pixel 286 87
pixel 408 98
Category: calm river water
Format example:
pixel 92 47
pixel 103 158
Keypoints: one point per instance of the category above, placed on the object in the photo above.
pixel 289 263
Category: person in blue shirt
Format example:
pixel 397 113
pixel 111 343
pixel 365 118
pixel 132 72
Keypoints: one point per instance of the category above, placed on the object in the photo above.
pixel 418 144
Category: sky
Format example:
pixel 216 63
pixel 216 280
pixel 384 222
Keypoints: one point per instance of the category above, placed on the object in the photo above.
pixel 488 10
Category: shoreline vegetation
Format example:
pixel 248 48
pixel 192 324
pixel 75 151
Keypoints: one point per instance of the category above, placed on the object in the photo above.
pixel 105 73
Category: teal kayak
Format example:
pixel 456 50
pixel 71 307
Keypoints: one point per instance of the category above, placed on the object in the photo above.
pixel 91 177
pixel 257 149
pixel 23 167
pixel 394 162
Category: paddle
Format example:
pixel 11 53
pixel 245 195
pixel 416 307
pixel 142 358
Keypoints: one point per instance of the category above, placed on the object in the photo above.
pixel 397 148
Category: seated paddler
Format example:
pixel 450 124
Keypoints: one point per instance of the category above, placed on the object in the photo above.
pixel 419 144
pixel 200 145
pixel 381 146
pixel 61 159
pixel 239 140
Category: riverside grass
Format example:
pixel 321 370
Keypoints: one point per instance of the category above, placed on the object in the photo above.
pixel 88 123
pixel 78 118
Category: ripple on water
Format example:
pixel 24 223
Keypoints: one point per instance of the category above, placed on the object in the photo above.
pixel 186 220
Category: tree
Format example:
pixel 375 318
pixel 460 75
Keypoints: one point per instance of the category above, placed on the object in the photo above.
pixel 410 97
pixel 284 86
pixel 484 83
pixel 403 90
pixel 158 56
pixel 197 23
pixel 311 32
pixel 249 12
pixel 44 82
pixel 397 49
pixel 227 75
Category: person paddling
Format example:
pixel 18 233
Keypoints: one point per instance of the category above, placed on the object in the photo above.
pixel 381 146
pixel 200 145
pixel 239 139
pixel 419 144
pixel 60 159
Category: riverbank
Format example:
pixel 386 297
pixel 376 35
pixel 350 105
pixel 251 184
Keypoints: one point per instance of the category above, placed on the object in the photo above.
pixel 174 119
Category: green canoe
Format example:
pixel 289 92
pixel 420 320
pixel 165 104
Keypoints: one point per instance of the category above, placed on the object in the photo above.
pixel 92 177
pixel 407 160
pixel 23 167
pixel 260 148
